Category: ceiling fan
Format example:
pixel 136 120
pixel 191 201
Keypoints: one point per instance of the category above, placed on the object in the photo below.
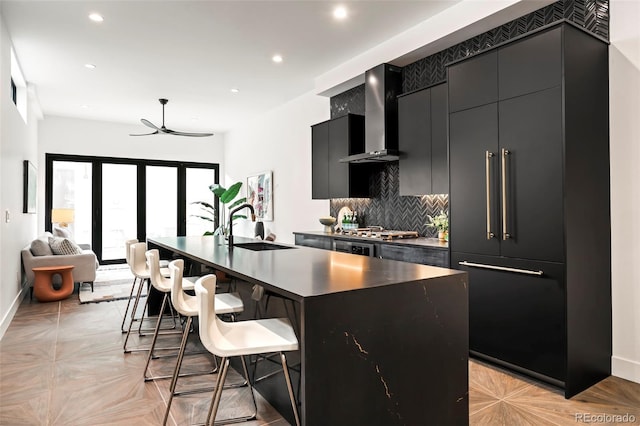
pixel 163 129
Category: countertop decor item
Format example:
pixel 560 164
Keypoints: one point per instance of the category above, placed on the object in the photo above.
pixel 328 222
pixel 441 223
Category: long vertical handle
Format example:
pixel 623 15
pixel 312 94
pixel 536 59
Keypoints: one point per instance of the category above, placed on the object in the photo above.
pixel 488 156
pixel 505 233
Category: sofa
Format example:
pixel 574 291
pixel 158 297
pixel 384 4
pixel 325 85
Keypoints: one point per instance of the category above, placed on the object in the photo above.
pixel 41 253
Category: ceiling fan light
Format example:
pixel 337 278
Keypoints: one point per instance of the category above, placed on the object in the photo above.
pixel 277 58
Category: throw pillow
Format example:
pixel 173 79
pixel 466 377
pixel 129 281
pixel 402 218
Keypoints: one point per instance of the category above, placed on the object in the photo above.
pixel 61 232
pixel 63 246
pixel 40 248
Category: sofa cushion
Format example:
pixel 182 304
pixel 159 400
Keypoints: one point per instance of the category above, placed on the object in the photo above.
pixel 61 232
pixel 40 248
pixel 63 246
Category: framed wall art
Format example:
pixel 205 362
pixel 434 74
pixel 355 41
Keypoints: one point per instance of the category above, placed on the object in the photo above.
pixel 260 195
pixel 30 179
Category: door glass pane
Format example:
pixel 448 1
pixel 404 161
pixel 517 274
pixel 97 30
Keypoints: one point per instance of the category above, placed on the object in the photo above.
pixel 162 201
pixel 198 182
pixel 119 208
pixel 72 192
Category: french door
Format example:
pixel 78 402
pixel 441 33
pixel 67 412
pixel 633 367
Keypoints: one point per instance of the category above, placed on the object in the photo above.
pixel 116 199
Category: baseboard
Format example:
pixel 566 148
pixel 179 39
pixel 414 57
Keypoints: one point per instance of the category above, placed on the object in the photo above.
pixel 625 368
pixel 6 320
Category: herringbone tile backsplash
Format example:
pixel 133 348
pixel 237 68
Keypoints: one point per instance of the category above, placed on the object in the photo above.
pixel 388 209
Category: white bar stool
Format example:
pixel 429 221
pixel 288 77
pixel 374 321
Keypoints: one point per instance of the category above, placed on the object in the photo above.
pixel 227 339
pixel 140 270
pixel 127 246
pixel 187 305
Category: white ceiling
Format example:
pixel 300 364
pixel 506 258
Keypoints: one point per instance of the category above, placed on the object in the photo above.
pixel 191 52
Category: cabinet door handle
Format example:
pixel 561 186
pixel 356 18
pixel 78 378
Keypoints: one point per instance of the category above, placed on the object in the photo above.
pixel 487 163
pixel 505 233
pixel 501 268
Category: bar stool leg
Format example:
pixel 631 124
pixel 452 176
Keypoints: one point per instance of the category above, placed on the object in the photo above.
pixel 217 394
pixel 176 372
pixel 155 337
pixel 133 313
pixel 290 388
pixel 126 311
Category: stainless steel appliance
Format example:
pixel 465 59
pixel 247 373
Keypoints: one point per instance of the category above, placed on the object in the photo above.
pixel 363 249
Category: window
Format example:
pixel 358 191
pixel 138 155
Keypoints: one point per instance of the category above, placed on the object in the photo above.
pixel 18 87
pixel 14 92
pixel 116 199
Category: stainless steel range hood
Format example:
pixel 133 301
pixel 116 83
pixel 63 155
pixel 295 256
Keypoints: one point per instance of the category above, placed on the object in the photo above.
pixel 383 84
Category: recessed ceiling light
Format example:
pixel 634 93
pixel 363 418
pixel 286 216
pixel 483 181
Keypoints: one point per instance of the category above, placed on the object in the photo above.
pixel 277 58
pixel 90 66
pixel 234 90
pixel 96 17
pixel 340 12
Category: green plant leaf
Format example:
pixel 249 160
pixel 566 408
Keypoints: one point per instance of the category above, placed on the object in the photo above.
pixel 217 189
pixel 208 233
pixel 238 202
pixel 231 193
pixel 238 216
pixel 204 204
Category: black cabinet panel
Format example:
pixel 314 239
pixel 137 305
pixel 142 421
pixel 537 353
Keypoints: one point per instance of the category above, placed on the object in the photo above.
pixel 331 141
pixel 530 65
pixel 422 117
pixel 422 255
pixel 439 142
pixel 319 163
pixel 315 241
pixel 516 317
pixel 338 148
pixel 473 133
pixel 473 82
pixel 531 131
pixel 414 134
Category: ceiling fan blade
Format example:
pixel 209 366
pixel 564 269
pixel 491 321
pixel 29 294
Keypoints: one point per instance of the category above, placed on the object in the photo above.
pixel 144 134
pixel 149 124
pixel 196 135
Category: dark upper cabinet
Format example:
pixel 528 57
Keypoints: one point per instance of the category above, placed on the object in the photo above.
pixel 320 161
pixel 476 82
pixel 529 203
pixel 422 134
pixel 330 141
pixel 529 65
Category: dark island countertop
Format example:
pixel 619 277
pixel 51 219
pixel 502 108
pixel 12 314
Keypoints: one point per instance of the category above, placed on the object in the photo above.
pixel 418 242
pixel 375 334
pixel 299 272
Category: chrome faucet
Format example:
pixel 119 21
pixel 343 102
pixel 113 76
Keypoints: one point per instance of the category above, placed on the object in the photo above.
pixel 253 219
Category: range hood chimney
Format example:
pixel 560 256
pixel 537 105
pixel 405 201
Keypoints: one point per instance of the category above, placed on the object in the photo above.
pixel 383 84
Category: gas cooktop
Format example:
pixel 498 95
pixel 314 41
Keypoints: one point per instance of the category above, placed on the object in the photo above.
pixel 380 233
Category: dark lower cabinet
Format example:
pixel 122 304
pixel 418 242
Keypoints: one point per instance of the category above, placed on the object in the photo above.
pixel 515 315
pixel 415 254
pixel 314 241
pixel 529 203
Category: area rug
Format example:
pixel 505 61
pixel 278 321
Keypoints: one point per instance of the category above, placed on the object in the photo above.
pixel 113 282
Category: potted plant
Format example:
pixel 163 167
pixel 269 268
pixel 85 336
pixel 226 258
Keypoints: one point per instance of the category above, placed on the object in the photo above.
pixel 441 223
pixel 227 197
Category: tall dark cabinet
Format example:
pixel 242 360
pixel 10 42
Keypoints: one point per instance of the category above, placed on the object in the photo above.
pixel 422 141
pixel 330 141
pixel 529 203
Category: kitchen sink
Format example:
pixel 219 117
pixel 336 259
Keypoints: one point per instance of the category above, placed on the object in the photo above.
pixel 260 246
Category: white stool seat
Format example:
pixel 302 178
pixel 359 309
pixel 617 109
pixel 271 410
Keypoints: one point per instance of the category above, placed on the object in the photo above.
pixel 227 339
pixel 254 337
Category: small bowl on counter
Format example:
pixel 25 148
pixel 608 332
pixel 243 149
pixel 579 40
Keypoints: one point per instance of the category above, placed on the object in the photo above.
pixel 328 222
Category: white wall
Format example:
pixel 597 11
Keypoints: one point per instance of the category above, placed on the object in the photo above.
pixel 18 142
pixel 63 135
pixel 280 141
pixel 624 85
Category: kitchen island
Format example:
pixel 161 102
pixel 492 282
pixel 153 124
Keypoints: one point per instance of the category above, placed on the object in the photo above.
pixel 382 342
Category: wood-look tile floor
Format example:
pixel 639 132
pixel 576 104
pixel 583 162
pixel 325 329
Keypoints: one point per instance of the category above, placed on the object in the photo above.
pixel 61 363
